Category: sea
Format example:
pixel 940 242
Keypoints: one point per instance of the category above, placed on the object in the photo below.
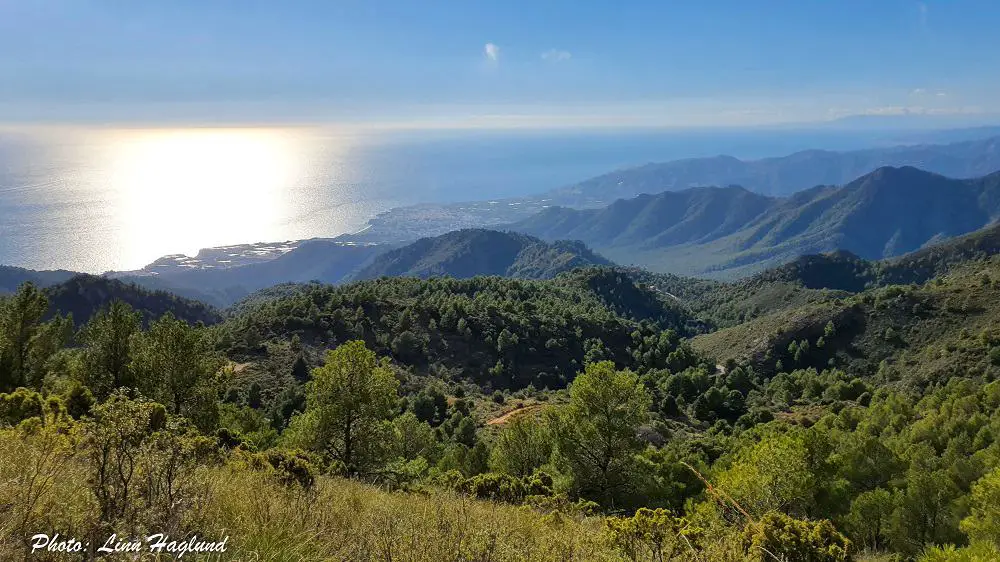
pixel 97 199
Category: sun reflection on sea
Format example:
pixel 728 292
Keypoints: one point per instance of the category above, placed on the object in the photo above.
pixel 181 190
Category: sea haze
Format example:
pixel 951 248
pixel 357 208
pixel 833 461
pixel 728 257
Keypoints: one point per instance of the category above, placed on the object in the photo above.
pixel 105 199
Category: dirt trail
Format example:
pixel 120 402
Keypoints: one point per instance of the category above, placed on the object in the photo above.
pixel 523 410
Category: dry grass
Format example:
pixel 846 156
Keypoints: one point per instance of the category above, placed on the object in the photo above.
pixel 347 520
pixel 44 489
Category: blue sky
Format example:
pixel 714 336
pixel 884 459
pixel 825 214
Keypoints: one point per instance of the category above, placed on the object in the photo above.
pixel 464 62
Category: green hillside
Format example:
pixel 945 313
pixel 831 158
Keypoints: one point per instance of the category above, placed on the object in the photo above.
pixel 503 333
pixel 472 252
pixel 916 327
pixel 84 295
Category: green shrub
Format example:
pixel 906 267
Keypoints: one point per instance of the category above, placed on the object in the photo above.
pixel 983 522
pixel 79 401
pixel 498 486
pixel 653 534
pixel 975 552
pixel 24 404
pixel 20 405
pixel 495 486
pixel 289 467
pixel 796 540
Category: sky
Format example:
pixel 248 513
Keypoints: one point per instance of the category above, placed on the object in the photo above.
pixel 470 63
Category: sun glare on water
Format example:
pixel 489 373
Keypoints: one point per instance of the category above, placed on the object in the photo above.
pixel 181 190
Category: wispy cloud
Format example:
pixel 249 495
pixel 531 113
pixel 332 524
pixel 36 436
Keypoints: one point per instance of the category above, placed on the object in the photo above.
pixel 922 11
pixel 556 55
pixel 925 93
pixel 920 110
pixel 492 52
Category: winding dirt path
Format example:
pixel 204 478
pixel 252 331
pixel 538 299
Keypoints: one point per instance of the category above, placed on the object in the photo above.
pixel 523 410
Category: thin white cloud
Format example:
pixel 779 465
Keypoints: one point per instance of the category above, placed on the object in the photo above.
pixel 556 55
pixel 492 51
pixel 922 9
pixel 921 110
pixel 891 110
pixel 925 93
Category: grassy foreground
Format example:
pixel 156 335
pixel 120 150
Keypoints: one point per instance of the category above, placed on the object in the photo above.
pixel 347 520
pixel 46 487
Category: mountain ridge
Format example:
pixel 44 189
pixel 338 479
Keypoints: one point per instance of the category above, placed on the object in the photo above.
pixel 732 232
pixel 783 175
pixel 472 252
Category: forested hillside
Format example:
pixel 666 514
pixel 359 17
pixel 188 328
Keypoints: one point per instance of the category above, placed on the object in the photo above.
pixel 472 252
pixel 813 412
pixel 500 333
pixel 815 278
pixel 83 296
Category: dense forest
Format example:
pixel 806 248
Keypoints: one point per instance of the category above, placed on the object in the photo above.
pixel 605 414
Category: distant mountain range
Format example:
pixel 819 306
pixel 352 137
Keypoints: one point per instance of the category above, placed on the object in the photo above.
pixel 787 174
pixel 804 281
pixel 805 203
pixel 731 232
pixel 778 176
pixel 472 252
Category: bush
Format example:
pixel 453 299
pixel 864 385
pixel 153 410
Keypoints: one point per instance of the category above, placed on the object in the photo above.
pixel 289 467
pixel 796 540
pixel 652 534
pixel 129 441
pixel 79 401
pixel 495 486
pixel 995 355
pixel 20 405
pixel 502 487
pixel 975 552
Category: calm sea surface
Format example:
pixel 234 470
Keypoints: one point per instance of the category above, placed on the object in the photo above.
pixel 113 199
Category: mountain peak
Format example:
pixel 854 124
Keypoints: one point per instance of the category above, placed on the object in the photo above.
pixel 478 251
pixel 902 179
pixel 898 173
